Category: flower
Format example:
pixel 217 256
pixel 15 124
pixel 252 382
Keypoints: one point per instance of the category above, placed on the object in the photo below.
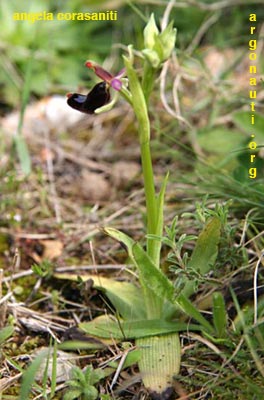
pixel 113 81
pixel 98 97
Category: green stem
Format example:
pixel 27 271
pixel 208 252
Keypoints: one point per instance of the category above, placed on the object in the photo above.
pixel 149 188
pixel 153 303
pixel 139 105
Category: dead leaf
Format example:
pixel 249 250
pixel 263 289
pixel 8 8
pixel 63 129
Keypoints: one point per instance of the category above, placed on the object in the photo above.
pixel 51 249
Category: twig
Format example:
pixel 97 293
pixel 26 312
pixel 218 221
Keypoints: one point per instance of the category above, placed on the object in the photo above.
pixel 17 276
pixel 166 15
pixel 255 280
pixel 200 33
pixel 119 368
pixel 5 298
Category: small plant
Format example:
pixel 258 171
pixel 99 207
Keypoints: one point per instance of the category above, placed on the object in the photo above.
pixel 151 313
pixel 81 385
pixel 40 365
pixel 43 269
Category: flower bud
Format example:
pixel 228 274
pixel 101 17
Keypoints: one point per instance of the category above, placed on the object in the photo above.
pixel 167 40
pixel 158 45
pixel 150 33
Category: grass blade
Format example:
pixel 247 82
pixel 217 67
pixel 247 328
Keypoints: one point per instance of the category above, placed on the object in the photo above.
pixel 219 314
pixel 30 374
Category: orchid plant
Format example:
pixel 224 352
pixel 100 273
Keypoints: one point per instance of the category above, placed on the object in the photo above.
pixel 152 313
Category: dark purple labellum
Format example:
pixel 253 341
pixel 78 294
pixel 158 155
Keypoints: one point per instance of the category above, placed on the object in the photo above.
pixel 96 98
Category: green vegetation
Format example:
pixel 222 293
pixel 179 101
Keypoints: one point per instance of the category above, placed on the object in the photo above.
pixel 172 307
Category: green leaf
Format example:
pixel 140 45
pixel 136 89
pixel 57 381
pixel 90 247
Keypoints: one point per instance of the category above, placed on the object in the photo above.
pixel 206 249
pixel 204 253
pixel 72 394
pixel 150 276
pixel 122 238
pixel 193 312
pixel 220 140
pixel 30 374
pixel 107 327
pixel 153 282
pixel 159 227
pixel 96 375
pixel 243 121
pixel 54 369
pixel 159 362
pixel 5 333
pixel 126 297
pixel 78 375
pixel 132 358
pixel 88 375
pixel 219 314
pixel 81 345
pixel 23 153
pixel 21 145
